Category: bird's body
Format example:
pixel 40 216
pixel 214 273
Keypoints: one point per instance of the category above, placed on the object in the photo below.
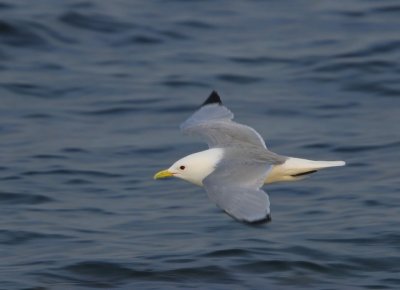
pixel 237 164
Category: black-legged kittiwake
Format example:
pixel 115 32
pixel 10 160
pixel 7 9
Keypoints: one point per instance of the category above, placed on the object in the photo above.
pixel 237 163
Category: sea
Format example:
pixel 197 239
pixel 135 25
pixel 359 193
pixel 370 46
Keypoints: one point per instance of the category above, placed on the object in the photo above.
pixel 91 97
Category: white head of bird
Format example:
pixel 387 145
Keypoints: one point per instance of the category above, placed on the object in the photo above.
pixel 194 167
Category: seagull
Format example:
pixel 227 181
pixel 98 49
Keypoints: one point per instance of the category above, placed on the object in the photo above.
pixel 237 163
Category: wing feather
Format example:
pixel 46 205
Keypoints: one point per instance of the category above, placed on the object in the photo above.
pixel 235 183
pixel 213 123
pixel 235 188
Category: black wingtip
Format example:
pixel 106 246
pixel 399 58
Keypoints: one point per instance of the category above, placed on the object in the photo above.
pixel 265 220
pixel 213 99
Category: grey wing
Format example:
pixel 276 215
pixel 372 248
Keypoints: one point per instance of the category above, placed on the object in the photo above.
pixel 243 204
pixel 236 190
pixel 213 122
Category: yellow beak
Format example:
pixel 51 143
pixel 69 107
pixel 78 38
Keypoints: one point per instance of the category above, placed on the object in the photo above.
pixel 163 174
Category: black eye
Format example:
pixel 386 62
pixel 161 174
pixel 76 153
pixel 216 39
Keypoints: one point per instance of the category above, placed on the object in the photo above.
pixel 182 167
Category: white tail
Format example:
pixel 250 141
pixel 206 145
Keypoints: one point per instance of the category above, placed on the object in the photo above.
pixel 295 168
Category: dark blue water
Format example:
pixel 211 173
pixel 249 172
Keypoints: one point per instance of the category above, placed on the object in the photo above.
pixel 91 96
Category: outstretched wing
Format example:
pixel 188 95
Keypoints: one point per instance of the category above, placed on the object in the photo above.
pixel 213 122
pixel 235 187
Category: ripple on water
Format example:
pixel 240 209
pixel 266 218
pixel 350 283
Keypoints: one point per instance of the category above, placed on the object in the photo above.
pixel 69 172
pixel 183 83
pixel 14 237
pixel 20 34
pixel 337 67
pixel 95 22
pixel 381 48
pixel 362 148
pixel 239 79
pixel 141 39
pixel 260 60
pixel 5 6
pixel 114 111
pixel 196 24
pixel 228 253
pixel 23 198
pixel 37 90
pixel 110 272
pixel 74 150
pixel 49 157
pixel 387 9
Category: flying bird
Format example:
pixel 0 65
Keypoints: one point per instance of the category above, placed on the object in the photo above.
pixel 237 163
